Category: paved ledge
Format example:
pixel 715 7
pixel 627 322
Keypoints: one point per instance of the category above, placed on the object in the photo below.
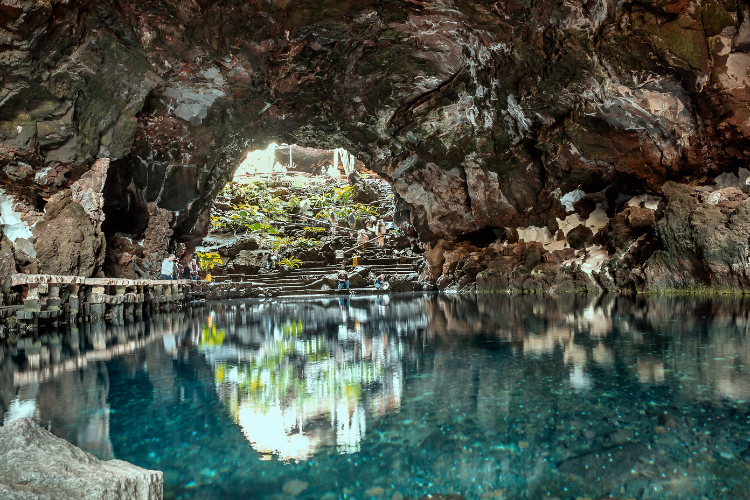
pixel 29 279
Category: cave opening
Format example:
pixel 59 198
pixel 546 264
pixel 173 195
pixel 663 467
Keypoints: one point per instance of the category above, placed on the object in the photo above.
pixel 307 206
pixel 485 236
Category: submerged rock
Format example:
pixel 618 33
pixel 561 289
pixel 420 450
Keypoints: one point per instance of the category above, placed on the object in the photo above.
pixel 34 464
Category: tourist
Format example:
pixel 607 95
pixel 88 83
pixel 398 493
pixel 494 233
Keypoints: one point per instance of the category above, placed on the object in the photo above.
pixel 343 280
pixel 362 237
pixel 380 282
pixel 186 271
pixel 167 267
pixel 352 219
pixel 372 225
pixel 334 221
pixel 274 258
pixel 380 231
pixel 304 206
pixel 269 262
pixel 194 270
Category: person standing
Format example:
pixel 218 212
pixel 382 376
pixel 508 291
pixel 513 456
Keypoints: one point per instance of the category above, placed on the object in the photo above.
pixel 380 282
pixel 362 237
pixel 334 221
pixel 352 219
pixel 194 270
pixel 167 267
pixel 381 233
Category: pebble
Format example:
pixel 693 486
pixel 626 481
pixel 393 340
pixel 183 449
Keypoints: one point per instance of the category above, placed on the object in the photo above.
pixel 329 495
pixel 295 487
pixel 497 494
pixel 397 496
pixel 374 491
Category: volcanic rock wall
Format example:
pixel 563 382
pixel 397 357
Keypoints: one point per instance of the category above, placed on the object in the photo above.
pixel 604 143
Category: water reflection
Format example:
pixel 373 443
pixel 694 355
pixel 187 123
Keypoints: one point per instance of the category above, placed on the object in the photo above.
pixel 296 376
pixel 482 396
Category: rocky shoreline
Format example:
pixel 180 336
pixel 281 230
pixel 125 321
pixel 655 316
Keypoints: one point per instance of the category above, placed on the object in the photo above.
pixel 36 465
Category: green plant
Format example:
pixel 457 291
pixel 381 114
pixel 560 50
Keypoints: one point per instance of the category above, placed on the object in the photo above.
pixel 306 242
pixel 315 229
pixel 290 262
pixel 281 242
pixel 208 260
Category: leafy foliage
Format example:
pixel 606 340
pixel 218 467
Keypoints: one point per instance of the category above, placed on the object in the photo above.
pixel 290 262
pixel 208 260
pixel 281 242
pixel 306 242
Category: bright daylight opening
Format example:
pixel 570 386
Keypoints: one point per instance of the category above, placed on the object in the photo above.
pixel 291 208
pixel 293 159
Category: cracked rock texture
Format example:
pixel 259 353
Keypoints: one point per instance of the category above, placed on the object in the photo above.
pixel 36 465
pixel 533 145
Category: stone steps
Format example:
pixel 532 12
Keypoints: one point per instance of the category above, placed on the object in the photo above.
pixel 299 281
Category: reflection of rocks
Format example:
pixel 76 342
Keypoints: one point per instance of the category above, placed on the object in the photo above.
pixel 36 464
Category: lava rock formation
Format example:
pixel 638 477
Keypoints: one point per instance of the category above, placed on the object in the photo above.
pixel 535 144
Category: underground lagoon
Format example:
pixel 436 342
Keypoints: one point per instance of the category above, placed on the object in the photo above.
pixel 405 396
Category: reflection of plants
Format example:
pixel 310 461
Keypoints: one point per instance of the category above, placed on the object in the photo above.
pixel 208 260
pixel 292 328
pixel 211 336
pixel 315 229
pixel 290 262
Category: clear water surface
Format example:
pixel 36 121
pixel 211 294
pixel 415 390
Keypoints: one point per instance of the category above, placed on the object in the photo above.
pixel 402 396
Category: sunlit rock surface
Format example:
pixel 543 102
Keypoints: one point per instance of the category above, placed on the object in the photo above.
pixel 484 116
pixel 34 464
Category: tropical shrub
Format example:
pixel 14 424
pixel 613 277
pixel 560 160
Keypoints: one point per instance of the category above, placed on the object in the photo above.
pixel 208 260
pixel 290 262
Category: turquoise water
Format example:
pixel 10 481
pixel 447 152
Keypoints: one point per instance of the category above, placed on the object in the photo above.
pixel 396 397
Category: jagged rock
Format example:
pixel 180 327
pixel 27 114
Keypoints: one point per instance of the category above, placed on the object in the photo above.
pixel 7 267
pixel 66 241
pixel 580 236
pixel 249 261
pixel 703 243
pixel 403 282
pixel 34 464
pixel 482 115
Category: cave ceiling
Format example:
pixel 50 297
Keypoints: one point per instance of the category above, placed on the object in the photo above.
pixel 480 114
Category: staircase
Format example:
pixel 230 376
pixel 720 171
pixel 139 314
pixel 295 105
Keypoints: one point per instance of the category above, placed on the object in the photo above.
pixel 319 278
pixel 307 280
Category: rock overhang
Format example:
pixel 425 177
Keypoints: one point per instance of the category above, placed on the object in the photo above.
pixel 477 113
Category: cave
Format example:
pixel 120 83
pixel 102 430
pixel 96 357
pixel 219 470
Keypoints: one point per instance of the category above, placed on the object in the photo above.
pixel 142 114
pixel 445 250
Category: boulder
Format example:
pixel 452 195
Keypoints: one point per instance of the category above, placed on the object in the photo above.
pixel 66 241
pixel 36 465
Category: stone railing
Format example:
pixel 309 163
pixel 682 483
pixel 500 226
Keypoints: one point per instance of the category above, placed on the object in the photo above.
pixel 53 298
pixel 72 298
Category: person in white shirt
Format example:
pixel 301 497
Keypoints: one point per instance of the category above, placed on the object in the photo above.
pixel 167 267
